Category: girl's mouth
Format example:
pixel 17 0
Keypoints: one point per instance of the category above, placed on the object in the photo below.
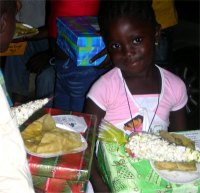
pixel 132 63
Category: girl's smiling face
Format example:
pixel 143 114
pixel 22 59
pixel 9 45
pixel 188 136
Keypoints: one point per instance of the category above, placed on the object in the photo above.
pixel 130 44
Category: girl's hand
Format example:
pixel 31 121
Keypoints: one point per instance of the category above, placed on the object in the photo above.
pixel 178 120
pixel 96 179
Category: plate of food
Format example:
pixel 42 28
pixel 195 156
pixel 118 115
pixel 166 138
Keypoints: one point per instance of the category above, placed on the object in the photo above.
pixel 44 138
pixel 177 172
pixel 24 30
pixel 172 156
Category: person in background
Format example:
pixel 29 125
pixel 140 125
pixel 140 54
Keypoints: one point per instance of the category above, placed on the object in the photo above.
pixel 18 68
pixel 2 60
pixel 72 82
pixel 14 172
pixel 2 83
pixel 135 86
pixel 166 16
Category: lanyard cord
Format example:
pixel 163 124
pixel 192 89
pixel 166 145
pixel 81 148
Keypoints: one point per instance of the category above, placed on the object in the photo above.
pixel 149 129
pixel 129 105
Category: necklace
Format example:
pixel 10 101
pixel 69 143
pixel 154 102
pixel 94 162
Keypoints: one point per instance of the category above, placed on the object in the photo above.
pixel 149 129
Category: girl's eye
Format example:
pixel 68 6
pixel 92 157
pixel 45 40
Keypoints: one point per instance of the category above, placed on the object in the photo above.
pixel 115 46
pixel 137 40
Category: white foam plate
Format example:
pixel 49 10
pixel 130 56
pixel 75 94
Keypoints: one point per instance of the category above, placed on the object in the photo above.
pixel 89 188
pixel 178 177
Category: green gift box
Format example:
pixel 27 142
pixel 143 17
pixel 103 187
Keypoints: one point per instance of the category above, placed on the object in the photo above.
pixel 124 174
pixel 66 168
pixel 79 38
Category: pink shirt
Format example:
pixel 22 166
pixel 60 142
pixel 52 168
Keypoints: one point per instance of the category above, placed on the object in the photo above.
pixel 109 94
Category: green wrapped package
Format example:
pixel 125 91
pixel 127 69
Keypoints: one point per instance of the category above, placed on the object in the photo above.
pixel 125 174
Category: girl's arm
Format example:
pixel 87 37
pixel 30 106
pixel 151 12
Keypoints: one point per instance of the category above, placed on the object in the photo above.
pixel 92 108
pixel 178 120
pixel 96 179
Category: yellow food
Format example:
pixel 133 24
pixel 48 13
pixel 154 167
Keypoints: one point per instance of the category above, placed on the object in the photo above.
pixel 21 30
pixel 33 130
pixel 43 137
pixel 65 141
pixel 175 166
pixel 177 139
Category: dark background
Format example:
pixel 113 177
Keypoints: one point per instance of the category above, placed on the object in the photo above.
pixel 188 10
pixel 186 55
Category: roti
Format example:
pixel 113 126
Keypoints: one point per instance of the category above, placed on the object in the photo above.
pixel 42 136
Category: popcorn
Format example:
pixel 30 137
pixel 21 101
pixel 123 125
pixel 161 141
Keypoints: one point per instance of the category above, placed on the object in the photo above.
pixel 24 111
pixel 154 147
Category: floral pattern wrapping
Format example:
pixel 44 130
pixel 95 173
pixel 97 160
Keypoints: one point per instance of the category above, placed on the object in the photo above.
pixel 124 174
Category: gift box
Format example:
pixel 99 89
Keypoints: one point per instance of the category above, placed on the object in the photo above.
pixel 65 171
pixel 15 49
pixel 125 174
pixel 79 38
pixel 52 185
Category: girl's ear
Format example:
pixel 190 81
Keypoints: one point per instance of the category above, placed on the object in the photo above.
pixel 157 33
pixel 3 23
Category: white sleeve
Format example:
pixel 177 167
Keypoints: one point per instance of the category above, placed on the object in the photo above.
pixel 15 176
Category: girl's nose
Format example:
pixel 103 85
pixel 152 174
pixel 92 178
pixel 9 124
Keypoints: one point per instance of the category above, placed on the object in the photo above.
pixel 129 50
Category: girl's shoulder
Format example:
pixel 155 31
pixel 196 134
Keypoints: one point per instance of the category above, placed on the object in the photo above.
pixel 111 74
pixel 169 76
pixel 110 81
pixel 172 84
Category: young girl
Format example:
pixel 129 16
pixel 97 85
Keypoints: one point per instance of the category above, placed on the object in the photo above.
pixel 136 85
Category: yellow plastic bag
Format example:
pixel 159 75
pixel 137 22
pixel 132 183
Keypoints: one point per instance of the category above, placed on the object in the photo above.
pixel 110 133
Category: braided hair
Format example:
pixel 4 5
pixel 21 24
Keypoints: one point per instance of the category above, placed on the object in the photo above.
pixel 113 9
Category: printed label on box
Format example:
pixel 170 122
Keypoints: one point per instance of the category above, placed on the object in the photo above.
pixel 14 49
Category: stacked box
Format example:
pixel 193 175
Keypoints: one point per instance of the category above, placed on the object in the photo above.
pixel 124 174
pixel 66 173
pixel 53 185
pixel 79 38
